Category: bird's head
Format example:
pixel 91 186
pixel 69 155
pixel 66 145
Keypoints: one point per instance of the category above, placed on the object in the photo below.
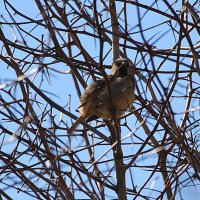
pixel 121 67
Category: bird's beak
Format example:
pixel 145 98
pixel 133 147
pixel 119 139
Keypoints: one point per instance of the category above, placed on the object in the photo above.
pixel 123 64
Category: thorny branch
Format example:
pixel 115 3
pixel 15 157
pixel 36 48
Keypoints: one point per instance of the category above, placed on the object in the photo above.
pixel 50 54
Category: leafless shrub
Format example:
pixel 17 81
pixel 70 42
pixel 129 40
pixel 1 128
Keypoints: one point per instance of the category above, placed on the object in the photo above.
pixel 51 51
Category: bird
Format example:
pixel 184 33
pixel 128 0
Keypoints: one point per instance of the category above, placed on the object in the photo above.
pixel 108 98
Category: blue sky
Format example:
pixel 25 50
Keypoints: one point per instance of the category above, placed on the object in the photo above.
pixel 60 88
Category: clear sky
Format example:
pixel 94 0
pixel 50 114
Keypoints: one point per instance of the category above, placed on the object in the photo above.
pixel 60 89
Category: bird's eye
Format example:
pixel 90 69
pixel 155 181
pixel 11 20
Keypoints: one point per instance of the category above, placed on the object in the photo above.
pixel 118 62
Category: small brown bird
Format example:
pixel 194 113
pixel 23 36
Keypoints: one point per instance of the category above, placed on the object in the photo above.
pixel 98 102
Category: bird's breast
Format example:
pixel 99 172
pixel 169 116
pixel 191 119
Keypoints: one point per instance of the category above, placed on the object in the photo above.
pixel 107 103
pixel 119 100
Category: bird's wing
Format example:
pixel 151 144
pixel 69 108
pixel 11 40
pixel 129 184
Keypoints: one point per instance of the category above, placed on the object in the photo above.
pixel 91 92
pixel 90 97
